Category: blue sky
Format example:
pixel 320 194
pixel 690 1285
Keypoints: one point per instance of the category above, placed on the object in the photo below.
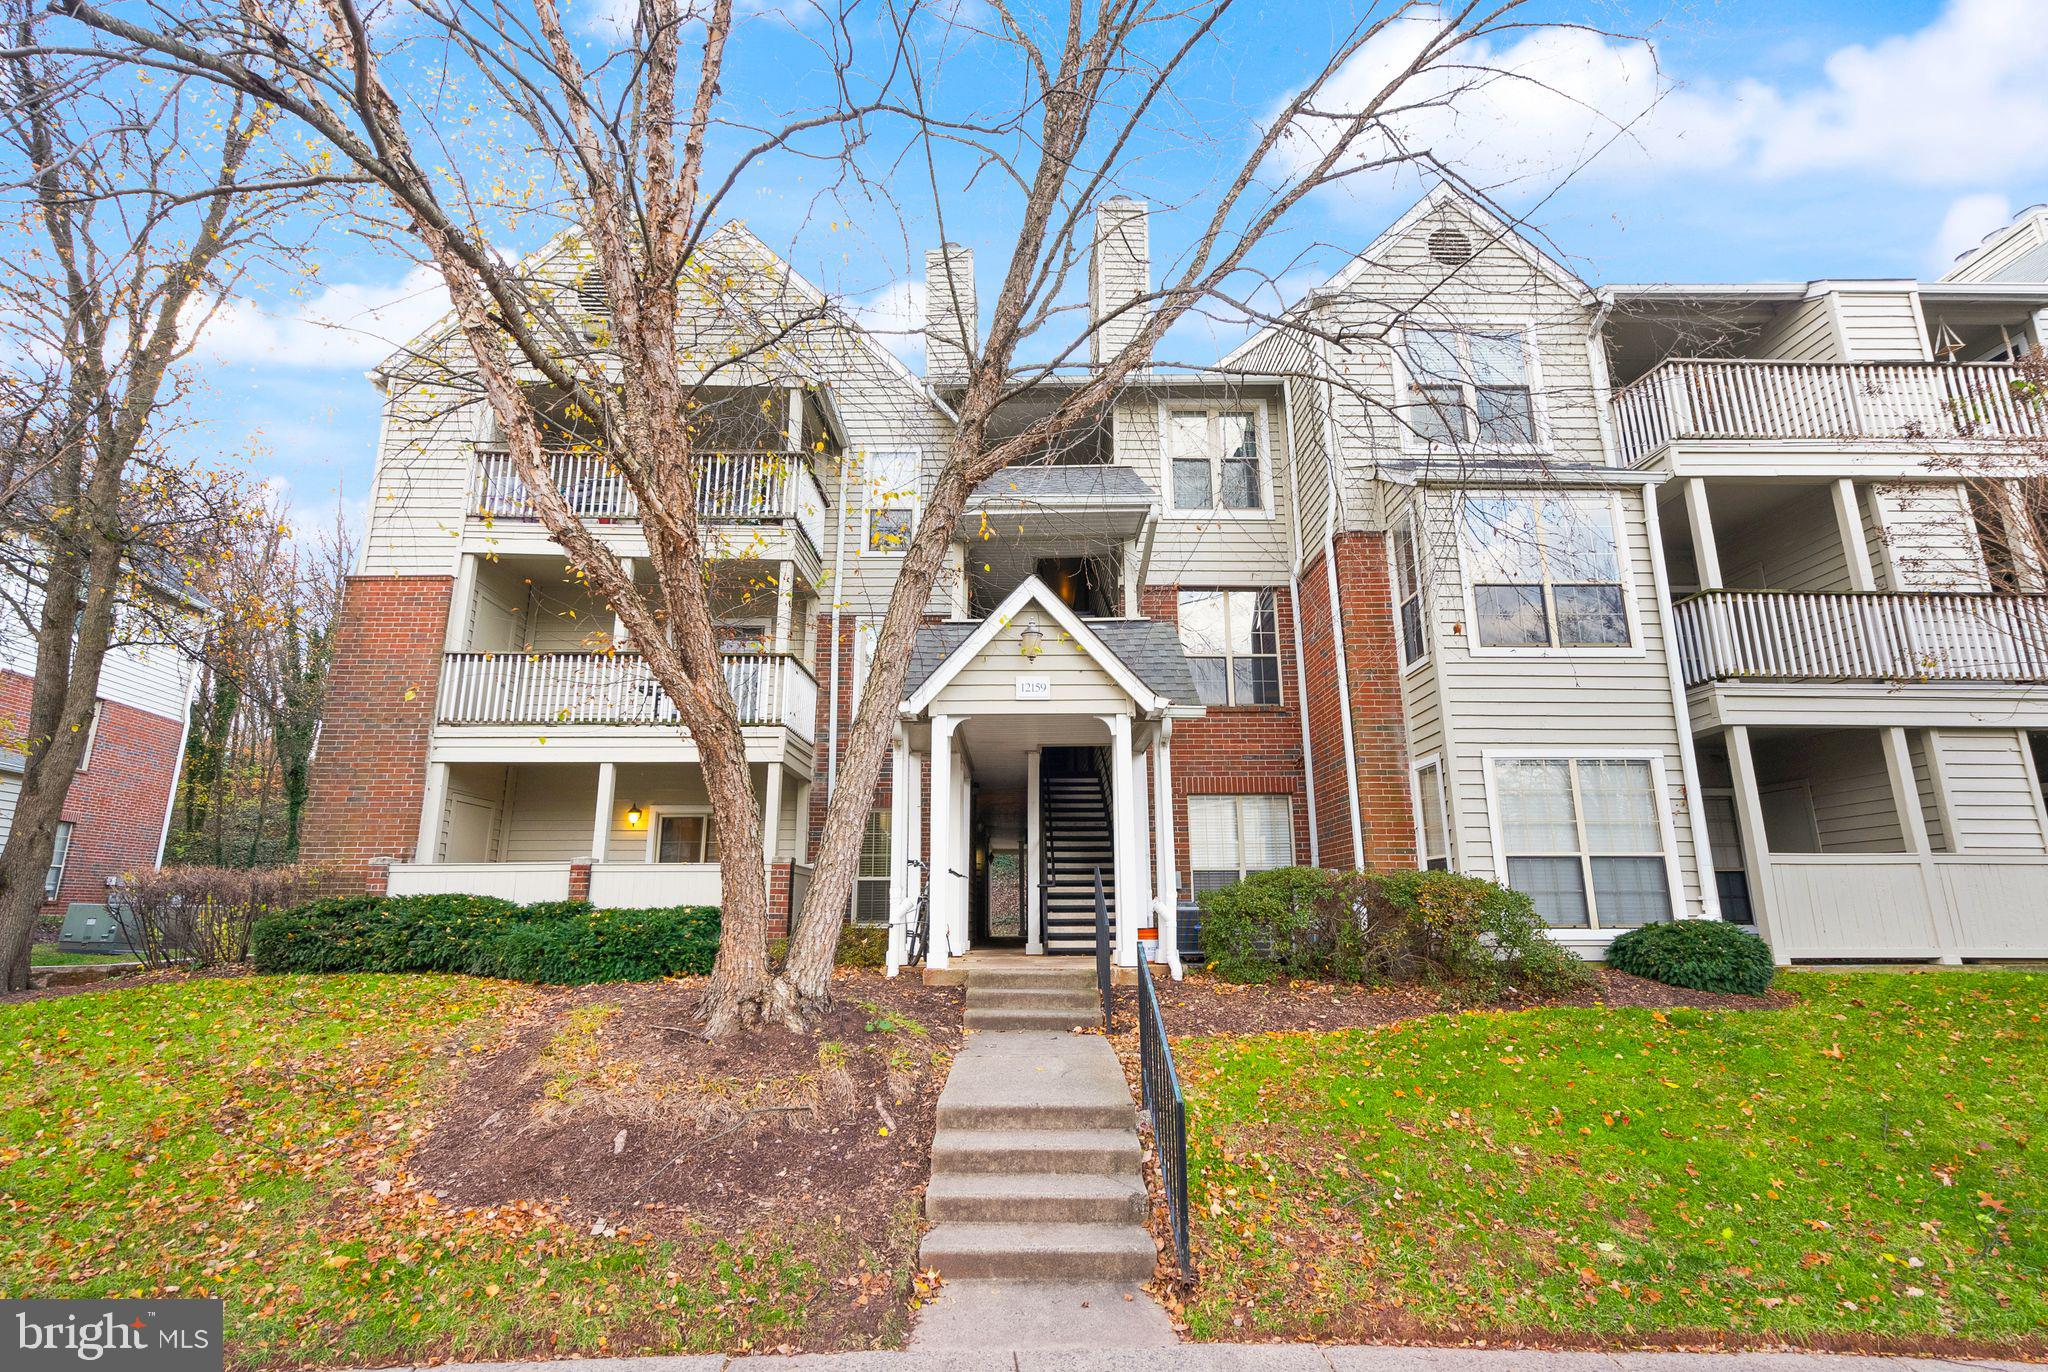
pixel 1770 140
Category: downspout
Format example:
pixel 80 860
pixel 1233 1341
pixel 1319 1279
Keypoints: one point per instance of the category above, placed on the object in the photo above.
pixel 1688 761
pixel 832 649
pixel 163 835
pixel 1335 510
pixel 1308 760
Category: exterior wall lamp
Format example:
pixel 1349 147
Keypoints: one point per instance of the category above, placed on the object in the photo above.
pixel 1032 640
pixel 634 816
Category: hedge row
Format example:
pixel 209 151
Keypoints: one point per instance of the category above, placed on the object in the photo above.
pixel 561 942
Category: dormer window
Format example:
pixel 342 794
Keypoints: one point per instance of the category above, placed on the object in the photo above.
pixel 1469 388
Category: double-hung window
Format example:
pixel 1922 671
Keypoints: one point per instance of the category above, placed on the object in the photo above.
pixel 1545 572
pixel 871 887
pixel 1215 461
pixel 1232 642
pixel 892 503
pixel 1232 836
pixel 1432 817
pixel 1583 838
pixel 684 836
pixel 1468 388
pixel 53 880
pixel 1408 594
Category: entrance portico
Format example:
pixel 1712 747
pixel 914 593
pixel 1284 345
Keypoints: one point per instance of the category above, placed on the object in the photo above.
pixel 1038 733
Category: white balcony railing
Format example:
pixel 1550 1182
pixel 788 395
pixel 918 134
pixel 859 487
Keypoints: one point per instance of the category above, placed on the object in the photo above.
pixel 1910 636
pixel 554 689
pixel 742 487
pixel 1755 399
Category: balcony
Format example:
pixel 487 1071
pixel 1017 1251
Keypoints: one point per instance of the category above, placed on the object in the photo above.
pixel 556 689
pixel 1898 402
pixel 1905 637
pixel 736 488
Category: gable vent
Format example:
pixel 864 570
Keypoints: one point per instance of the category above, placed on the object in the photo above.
pixel 590 293
pixel 1450 247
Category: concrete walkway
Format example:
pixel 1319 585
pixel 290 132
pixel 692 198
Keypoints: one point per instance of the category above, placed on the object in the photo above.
pixel 1238 1357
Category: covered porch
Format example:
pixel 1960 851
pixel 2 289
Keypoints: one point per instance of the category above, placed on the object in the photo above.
pixel 1034 750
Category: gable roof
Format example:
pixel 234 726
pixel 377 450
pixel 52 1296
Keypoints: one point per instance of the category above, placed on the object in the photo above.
pixel 1443 196
pixel 2029 264
pixel 946 657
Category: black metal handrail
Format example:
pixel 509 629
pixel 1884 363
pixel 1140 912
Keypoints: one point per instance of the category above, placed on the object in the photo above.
pixel 1168 1110
pixel 1104 978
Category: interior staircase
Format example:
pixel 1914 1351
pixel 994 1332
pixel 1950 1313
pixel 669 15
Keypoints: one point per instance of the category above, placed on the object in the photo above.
pixel 1074 827
pixel 1035 1163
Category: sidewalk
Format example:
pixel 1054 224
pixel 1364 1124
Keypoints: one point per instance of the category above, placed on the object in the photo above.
pixel 1241 1357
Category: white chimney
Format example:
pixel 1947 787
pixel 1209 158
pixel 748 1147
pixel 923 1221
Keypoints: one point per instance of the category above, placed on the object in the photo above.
pixel 950 313
pixel 1119 273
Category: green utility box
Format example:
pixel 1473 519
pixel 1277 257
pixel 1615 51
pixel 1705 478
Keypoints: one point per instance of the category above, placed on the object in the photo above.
pixel 93 929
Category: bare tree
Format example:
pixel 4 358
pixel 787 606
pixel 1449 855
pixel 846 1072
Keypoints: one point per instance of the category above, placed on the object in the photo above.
pixel 132 217
pixel 644 152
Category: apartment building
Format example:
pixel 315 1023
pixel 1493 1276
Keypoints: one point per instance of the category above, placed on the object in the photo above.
pixel 1585 590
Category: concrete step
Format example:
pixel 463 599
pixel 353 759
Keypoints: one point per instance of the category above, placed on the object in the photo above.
pixel 1097 1152
pixel 999 1021
pixel 1035 1198
pixel 1071 993
pixel 1067 1252
pixel 1037 976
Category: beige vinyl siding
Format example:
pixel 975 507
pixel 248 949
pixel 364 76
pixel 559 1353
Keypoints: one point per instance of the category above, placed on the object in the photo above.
pixel 1845 773
pixel 1881 326
pixel 480 789
pixel 1797 548
pixel 1211 549
pixel 1309 459
pixel 1991 791
pixel 550 812
pixel 1926 537
pixel 1927 784
pixel 988 683
pixel 2013 243
pixel 150 676
pixel 1804 332
pixel 420 490
pixel 1580 704
pixel 651 788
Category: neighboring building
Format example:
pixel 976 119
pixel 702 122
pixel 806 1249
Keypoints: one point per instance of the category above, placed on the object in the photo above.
pixel 117 814
pixel 1468 582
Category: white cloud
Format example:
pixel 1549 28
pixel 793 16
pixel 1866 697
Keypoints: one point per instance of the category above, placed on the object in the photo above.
pixel 1969 218
pixel 343 327
pixel 895 314
pixel 1946 104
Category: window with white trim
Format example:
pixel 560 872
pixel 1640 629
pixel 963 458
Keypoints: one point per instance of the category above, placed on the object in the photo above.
pixel 683 836
pixel 1232 643
pixel 1545 572
pixel 891 506
pixel 871 886
pixel 1469 387
pixel 1231 836
pixel 1432 818
pixel 1215 461
pixel 1583 838
pixel 1408 594
pixel 53 880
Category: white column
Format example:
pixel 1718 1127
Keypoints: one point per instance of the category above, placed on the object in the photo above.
pixel 601 826
pixel 427 849
pixel 1756 847
pixel 902 777
pixel 1034 836
pixel 1855 547
pixel 942 886
pixel 461 605
pixel 1141 832
pixel 1126 861
pixel 771 815
pixel 963 847
pixel 1706 551
pixel 1164 860
pixel 785 601
pixel 800 841
pixel 1898 765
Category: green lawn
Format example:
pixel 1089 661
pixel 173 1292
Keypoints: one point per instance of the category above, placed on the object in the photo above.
pixel 1868 1167
pixel 47 955
pixel 227 1137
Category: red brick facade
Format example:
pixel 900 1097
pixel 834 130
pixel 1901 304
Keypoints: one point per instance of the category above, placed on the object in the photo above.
pixel 1378 727
pixel 116 806
pixel 368 778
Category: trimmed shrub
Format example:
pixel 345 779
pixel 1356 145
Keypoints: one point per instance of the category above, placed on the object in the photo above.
pixel 1702 954
pixel 860 945
pixel 202 916
pixel 1466 935
pixel 1291 922
pixel 568 942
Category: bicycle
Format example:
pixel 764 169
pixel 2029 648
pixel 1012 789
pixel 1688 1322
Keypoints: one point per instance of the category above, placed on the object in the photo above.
pixel 919 941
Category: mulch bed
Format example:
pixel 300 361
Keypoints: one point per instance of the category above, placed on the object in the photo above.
pixel 1204 1004
pixel 606 1104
